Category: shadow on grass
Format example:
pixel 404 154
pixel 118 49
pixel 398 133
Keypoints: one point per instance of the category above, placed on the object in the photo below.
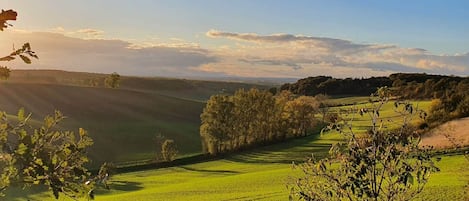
pixel 20 193
pixel 257 197
pixel 118 185
pixel 210 171
pixel 294 150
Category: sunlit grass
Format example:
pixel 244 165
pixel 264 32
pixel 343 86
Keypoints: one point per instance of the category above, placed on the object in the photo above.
pixel 260 174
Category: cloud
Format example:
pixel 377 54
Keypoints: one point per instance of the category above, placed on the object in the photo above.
pixel 243 54
pixel 58 51
pixel 310 55
pixel 328 44
pixel 91 33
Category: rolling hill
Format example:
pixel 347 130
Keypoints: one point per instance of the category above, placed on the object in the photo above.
pixel 258 174
pixel 123 122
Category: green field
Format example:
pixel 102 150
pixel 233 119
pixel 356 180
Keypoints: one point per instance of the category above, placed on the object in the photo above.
pixel 123 122
pixel 259 174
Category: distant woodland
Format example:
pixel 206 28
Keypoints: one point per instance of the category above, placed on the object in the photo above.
pixel 450 94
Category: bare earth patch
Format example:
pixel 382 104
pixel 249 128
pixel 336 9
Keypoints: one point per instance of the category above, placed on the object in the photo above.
pixel 456 130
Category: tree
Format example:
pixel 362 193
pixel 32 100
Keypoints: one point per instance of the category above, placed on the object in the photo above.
pixel 112 81
pixel 380 164
pixel 323 106
pixel 300 114
pixel 217 124
pixel 253 117
pixel 159 139
pixel 169 150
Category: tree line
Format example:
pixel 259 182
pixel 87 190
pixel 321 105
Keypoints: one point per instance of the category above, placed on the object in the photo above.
pixel 253 117
pixel 450 94
pixel 406 85
pixel 327 85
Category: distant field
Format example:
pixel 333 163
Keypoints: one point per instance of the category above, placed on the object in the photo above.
pixel 123 122
pixel 198 90
pixel 260 174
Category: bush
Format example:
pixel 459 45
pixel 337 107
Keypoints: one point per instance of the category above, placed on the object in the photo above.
pixel 169 150
pixel 378 165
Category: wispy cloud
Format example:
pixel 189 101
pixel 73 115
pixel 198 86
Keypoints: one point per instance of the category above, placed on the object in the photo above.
pixel 91 33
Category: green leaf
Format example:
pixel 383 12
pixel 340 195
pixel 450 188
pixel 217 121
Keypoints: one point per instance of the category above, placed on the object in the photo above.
pixel 21 114
pixel 22 148
pixel 39 162
pixel 54 159
pixel 81 132
pixel 25 59
pixel 410 179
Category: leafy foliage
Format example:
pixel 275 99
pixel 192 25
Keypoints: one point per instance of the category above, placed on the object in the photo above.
pixel 169 150
pixel 112 81
pixel 380 164
pixel 405 85
pixel 24 52
pixel 4 72
pixel 159 139
pixel 312 86
pixel 451 103
pixel 44 156
pixel 41 156
pixel 254 117
pixel 6 15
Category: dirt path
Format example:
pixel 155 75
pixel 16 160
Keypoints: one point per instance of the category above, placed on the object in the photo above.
pixel 456 130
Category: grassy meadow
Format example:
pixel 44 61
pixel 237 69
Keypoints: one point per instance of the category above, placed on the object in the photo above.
pixel 261 173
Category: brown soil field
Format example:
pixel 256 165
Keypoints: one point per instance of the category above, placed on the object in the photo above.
pixel 448 134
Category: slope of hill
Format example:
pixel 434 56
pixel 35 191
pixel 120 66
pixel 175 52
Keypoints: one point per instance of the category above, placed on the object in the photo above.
pixel 199 90
pixel 123 122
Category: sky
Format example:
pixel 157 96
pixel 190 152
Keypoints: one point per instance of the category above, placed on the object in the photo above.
pixel 245 38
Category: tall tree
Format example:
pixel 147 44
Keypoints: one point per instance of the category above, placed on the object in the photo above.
pixel 300 114
pixel 217 124
pixel 169 150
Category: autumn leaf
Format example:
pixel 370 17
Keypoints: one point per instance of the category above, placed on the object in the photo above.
pixel 6 15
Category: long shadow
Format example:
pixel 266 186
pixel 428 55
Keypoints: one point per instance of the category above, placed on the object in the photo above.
pixel 210 171
pixel 117 185
pixel 294 150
